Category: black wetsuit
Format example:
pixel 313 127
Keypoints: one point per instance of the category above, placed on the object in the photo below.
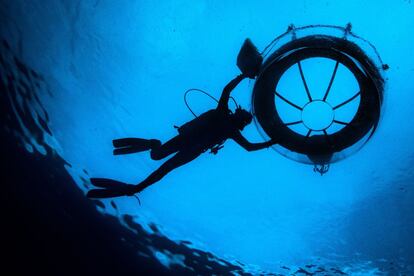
pixel 210 129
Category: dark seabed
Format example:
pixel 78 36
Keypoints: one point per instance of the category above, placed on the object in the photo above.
pixel 76 74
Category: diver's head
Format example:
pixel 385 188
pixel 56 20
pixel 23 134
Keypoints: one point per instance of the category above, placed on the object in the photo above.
pixel 242 118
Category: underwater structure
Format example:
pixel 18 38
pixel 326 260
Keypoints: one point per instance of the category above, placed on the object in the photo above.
pixel 322 143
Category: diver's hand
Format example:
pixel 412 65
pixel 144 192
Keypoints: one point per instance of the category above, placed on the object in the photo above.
pixel 273 141
pixel 252 76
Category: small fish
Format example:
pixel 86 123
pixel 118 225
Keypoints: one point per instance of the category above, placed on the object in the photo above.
pixel 186 242
pixel 320 269
pixel 301 270
pixel 99 203
pixel 335 270
pixel 114 205
pixel 154 228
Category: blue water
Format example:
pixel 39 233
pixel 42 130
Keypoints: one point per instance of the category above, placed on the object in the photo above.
pixel 119 69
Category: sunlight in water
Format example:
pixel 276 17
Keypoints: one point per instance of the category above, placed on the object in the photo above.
pixel 120 69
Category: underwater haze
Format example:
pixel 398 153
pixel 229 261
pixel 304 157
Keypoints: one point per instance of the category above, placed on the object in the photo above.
pixel 119 69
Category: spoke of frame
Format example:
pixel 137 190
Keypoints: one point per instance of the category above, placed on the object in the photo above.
pixel 288 102
pixel 309 132
pixel 347 101
pixel 293 123
pixel 331 81
pixel 304 81
pixel 340 122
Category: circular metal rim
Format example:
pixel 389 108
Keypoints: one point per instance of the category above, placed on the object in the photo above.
pixel 350 55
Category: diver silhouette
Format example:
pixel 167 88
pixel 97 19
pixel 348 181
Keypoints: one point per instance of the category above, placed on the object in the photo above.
pixel 208 131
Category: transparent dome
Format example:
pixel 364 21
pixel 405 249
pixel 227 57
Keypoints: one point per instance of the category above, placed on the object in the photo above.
pixel 320 93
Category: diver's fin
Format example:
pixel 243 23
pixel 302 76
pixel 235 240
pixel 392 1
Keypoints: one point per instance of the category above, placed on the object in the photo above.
pixel 128 150
pixel 133 145
pixel 144 144
pixel 127 142
pixel 105 193
pixel 107 183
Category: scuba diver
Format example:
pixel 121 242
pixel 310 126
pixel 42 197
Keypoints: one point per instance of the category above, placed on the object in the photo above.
pixel 208 131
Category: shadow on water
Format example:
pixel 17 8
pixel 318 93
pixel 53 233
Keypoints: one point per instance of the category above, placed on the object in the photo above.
pixel 49 225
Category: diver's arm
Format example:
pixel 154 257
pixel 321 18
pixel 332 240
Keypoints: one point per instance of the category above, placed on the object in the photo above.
pixel 239 139
pixel 225 95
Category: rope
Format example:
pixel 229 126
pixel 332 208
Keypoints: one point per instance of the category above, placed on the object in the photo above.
pixel 205 93
pixel 347 31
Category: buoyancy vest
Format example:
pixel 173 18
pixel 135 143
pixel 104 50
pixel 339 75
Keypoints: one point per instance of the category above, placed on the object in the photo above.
pixel 208 131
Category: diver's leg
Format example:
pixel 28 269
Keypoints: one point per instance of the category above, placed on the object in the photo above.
pixel 105 182
pixel 173 145
pixel 113 188
pixel 181 158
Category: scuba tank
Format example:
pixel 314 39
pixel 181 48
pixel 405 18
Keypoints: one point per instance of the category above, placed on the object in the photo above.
pixel 201 126
pixel 194 126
